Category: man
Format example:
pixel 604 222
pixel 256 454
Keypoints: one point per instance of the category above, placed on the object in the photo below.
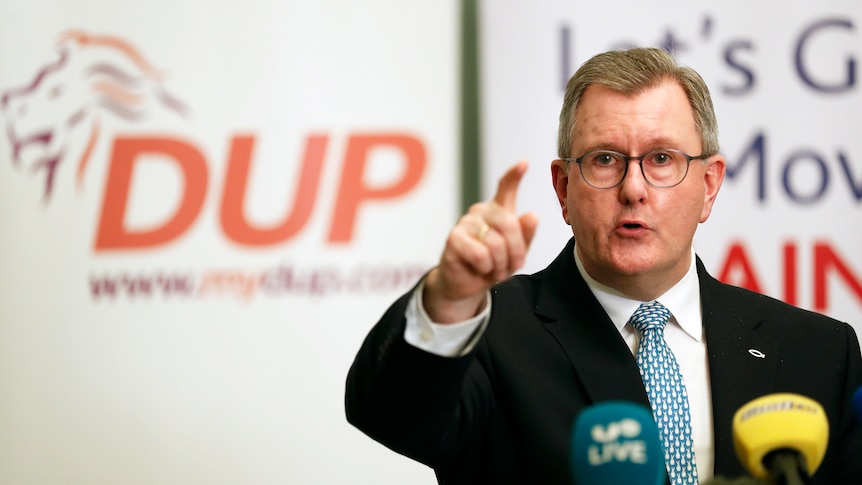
pixel 481 376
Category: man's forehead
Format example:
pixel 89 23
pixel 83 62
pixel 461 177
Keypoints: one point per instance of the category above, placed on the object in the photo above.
pixel 660 94
pixel 660 115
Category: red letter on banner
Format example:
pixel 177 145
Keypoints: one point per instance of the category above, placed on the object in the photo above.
pixel 790 273
pixel 737 258
pixel 112 232
pixel 825 259
pixel 233 220
pixel 353 190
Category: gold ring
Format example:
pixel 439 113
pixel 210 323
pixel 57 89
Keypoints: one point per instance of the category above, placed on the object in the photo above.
pixel 480 234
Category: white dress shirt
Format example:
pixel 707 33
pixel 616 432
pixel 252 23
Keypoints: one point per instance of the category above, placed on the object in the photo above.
pixel 683 334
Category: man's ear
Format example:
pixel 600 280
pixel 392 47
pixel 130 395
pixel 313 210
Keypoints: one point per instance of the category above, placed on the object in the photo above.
pixel 560 179
pixel 713 177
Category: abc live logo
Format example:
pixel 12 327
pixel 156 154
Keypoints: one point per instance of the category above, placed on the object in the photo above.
pixel 96 76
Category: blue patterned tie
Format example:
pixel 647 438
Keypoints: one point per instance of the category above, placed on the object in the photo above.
pixel 666 391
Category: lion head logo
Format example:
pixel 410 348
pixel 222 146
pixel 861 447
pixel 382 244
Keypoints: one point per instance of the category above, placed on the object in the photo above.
pixel 56 117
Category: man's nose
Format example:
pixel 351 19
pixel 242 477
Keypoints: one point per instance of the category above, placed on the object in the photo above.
pixel 634 186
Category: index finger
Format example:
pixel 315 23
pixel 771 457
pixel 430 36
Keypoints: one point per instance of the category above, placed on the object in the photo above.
pixel 507 188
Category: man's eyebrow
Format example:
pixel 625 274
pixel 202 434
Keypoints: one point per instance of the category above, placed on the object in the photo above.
pixel 650 144
pixel 661 142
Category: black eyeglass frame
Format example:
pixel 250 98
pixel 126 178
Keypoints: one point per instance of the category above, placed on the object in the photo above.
pixel 640 160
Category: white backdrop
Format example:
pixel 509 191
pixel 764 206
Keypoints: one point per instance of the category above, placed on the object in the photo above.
pixel 159 325
pixel 784 79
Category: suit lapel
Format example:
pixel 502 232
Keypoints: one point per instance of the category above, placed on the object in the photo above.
pixel 598 354
pixel 742 362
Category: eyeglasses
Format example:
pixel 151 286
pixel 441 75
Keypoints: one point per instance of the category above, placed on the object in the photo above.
pixel 664 167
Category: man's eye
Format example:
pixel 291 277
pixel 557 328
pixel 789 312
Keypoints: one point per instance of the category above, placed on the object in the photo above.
pixel 662 158
pixel 604 159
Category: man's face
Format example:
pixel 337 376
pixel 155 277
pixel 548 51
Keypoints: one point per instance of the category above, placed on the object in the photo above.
pixel 635 237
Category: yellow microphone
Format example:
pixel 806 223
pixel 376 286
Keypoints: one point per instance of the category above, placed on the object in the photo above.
pixel 781 438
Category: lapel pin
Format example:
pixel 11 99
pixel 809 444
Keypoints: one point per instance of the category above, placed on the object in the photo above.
pixel 757 353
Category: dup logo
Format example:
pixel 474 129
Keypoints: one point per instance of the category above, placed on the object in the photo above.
pixel 48 118
pixel 54 124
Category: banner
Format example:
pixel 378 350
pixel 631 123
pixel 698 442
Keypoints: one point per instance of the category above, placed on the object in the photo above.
pixel 205 208
pixel 784 80
pixel 207 205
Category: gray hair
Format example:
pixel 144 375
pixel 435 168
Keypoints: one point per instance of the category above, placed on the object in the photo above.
pixel 630 72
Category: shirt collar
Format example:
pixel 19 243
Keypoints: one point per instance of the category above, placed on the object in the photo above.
pixel 683 300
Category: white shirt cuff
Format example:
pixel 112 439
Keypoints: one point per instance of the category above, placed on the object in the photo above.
pixel 446 340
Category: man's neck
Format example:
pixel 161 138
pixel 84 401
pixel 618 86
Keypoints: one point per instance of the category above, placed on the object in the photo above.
pixel 644 287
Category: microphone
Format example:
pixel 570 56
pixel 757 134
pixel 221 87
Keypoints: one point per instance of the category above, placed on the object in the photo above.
pixel 616 442
pixel 781 438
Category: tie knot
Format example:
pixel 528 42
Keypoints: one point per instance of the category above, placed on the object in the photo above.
pixel 651 315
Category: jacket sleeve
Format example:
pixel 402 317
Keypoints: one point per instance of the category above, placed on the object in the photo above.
pixel 419 404
pixel 849 432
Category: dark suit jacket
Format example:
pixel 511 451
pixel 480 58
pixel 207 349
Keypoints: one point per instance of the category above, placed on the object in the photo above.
pixel 503 414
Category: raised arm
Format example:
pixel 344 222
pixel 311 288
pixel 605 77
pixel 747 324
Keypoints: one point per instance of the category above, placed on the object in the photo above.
pixel 487 245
